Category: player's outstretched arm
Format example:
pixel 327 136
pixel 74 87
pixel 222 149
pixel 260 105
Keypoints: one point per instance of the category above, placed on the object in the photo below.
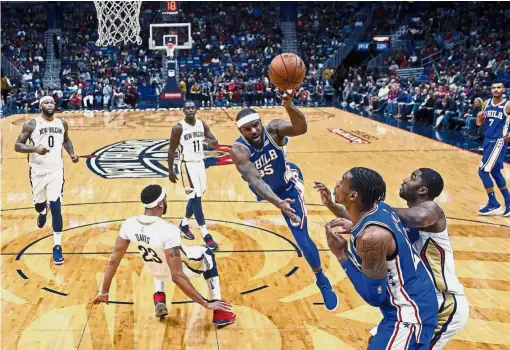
pixel 173 258
pixel 297 125
pixel 120 248
pixel 241 158
pixel 68 145
pixel 26 132
pixel 210 139
pixel 175 138
pixel 424 215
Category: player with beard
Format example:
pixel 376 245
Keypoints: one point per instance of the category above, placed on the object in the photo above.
pixel 47 135
pixel 259 155
pixel 164 256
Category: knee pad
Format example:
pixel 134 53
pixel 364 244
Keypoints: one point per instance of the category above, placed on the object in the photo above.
pixel 498 177
pixel 197 210
pixel 39 207
pixel 486 178
pixel 56 215
pixel 213 272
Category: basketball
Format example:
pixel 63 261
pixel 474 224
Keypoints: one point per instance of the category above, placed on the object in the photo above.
pixel 287 71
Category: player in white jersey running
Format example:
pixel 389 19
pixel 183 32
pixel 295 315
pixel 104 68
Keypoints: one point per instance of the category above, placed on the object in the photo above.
pixel 427 230
pixel 164 256
pixel 190 135
pixel 47 136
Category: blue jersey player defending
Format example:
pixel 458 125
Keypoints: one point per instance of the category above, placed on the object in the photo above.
pixel 381 264
pixel 260 158
pixel 495 118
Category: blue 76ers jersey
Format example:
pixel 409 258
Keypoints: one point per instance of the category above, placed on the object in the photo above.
pixel 411 297
pixel 271 163
pixel 496 121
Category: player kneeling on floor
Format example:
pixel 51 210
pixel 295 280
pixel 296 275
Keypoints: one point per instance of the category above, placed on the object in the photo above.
pixel 159 243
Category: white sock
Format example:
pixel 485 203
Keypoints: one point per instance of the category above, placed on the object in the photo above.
pixel 214 288
pixel 204 231
pixel 159 286
pixel 44 211
pixel 57 238
pixel 185 221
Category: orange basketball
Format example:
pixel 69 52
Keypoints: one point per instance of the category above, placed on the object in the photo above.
pixel 287 71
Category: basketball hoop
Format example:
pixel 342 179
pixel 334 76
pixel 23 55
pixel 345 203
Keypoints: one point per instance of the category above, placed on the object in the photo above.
pixel 119 21
pixel 170 50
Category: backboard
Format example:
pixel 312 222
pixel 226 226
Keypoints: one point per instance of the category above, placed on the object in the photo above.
pixel 177 33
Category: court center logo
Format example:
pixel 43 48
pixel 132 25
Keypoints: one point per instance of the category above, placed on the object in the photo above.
pixel 145 159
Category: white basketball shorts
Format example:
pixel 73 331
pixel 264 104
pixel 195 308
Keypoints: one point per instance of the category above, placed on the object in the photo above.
pixel 193 178
pixel 47 187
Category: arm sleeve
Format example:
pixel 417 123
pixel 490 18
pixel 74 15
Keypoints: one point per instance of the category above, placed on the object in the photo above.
pixel 372 291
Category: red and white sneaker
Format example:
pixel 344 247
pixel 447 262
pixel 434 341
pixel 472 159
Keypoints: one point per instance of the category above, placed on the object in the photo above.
pixel 160 303
pixel 222 318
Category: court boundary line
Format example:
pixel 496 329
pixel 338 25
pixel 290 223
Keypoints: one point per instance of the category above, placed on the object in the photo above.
pixel 231 201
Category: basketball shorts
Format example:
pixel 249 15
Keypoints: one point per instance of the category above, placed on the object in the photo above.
pixel 395 335
pixel 494 152
pixel 47 187
pixel 193 178
pixel 453 316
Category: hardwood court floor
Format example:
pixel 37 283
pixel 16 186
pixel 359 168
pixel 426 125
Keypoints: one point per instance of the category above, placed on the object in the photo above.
pixel 48 307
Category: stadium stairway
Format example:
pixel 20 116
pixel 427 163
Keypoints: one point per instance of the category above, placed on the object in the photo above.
pixel 52 65
pixel 289 43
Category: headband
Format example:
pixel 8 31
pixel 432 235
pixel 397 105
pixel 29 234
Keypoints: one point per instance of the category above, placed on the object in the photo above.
pixel 159 199
pixel 248 119
pixel 44 99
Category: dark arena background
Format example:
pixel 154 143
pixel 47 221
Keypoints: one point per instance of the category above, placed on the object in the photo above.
pixel 393 86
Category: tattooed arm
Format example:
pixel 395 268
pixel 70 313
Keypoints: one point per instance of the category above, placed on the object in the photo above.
pixel 241 158
pixel 21 146
pixel 173 258
pixel 424 215
pixel 374 245
pixel 68 145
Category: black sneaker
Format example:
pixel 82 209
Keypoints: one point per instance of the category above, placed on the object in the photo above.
pixel 41 220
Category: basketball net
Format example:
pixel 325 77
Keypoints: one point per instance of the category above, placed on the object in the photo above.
pixel 170 50
pixel 119 21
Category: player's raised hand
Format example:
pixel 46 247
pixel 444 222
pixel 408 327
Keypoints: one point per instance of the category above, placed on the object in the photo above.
pixel 481 115
pixel 42 150
pixel 324 192
pixel 287 96
pixel 101 298
pixel 75 158
pixel 345 225
pixel 336 243
pixel 218 305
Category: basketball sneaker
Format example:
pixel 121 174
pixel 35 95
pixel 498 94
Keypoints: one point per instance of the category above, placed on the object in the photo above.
pixel 58 258
pixel 489 209
pixel 328 294
pixel 210 242
pixel 222 318
pixel 185 232
pixel 507 210
pixel 160 304
pixel 41 219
